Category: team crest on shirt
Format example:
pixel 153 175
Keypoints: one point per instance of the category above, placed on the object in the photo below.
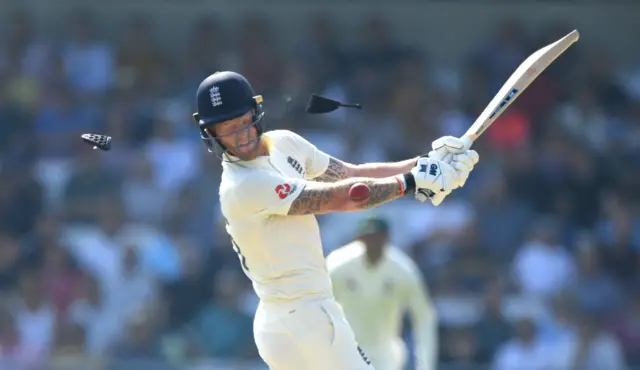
pixel 283 190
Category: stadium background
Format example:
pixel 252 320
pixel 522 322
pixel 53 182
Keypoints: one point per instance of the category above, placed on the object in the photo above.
pixel 118 260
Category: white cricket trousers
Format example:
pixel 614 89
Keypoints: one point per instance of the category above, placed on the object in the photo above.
pixel 307 335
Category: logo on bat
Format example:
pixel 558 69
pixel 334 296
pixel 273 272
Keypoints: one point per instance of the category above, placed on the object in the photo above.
pixel 505 101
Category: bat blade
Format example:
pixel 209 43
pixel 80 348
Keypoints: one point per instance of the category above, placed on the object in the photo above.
pixel 523 76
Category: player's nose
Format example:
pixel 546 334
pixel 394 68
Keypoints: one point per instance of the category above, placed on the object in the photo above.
pixel 242 136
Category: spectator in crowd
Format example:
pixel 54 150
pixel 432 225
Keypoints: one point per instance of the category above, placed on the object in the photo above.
pixel 102 325
pixel 558 325
pixel 497 206
pixel 88 61
pixel 61 277
pixel 493 329
pixel 460 349
pixel 36 320
pixel 14 354
pixel 542 267
pixel 11 261
pixel 591 349
pixel 626 327
pixel 142 340
pixel 523 351
pixel 144 199
pixel 70 352
pixel 221 326
pixel 593 290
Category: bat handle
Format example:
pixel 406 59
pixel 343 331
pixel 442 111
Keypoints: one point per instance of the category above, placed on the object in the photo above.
pixel 467 142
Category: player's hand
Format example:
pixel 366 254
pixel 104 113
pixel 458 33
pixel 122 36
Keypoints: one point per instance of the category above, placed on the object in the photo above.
pixel 450 150
pixel 433 177
pixel 446 145
pixel 464 163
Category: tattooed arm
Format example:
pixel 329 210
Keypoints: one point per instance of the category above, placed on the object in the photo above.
pixel 339 170
pixel 319 197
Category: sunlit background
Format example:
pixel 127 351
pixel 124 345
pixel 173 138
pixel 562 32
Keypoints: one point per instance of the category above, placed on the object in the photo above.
pixel 118 260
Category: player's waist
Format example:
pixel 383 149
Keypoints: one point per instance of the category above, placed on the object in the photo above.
pixel 285 302
pixel 285 290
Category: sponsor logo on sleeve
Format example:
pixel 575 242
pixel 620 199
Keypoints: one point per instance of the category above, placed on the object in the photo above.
pixel 283 190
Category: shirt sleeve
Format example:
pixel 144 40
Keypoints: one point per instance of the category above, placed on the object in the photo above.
pixel 264 192
pixel 316 161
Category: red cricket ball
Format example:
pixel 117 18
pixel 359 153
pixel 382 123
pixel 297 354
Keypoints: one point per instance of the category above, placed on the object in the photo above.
pixel 359 192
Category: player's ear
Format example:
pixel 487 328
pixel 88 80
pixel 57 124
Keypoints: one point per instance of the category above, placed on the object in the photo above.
pixel 196 117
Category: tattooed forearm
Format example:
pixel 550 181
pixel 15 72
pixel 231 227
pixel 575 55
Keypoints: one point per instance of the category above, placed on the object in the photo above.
pixel 336 171
pixel 381 193
pixel 319 198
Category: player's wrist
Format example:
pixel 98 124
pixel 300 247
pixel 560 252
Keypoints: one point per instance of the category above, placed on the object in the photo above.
pixel 409 183
pixel 402 183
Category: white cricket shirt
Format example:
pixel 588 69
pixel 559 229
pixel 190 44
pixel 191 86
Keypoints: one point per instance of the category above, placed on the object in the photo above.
pixel 374 299
pixel 281 254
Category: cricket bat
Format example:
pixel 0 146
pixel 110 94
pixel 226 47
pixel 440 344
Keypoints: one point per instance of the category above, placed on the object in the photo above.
pixel 517 83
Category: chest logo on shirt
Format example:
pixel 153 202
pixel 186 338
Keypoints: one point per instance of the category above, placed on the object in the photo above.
pixel 296 165
pixel 283 190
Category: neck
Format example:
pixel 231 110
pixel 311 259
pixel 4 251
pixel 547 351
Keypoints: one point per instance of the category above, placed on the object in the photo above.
pixel 373 259
pixel 263 150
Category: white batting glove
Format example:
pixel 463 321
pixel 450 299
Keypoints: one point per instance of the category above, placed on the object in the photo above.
pixel 454 151
pixel 463 163
pixel 422 195
pixel 433 177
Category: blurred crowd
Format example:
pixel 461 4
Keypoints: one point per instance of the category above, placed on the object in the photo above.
pixel 109 259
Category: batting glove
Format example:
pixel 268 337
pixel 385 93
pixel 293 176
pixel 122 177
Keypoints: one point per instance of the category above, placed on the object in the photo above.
pixel 453 151
pixel 432 176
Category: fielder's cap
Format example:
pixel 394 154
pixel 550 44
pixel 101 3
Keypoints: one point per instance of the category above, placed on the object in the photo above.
pixel 372 225
pixel 320 104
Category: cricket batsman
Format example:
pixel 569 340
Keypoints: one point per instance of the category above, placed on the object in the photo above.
pixel 375 284
pixel 272 185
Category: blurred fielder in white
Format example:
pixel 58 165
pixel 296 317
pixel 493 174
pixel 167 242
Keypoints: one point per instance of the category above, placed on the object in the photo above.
pixel 376 284
pixel 273 184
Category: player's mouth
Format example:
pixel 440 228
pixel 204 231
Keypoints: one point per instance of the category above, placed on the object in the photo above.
pixel 247 147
